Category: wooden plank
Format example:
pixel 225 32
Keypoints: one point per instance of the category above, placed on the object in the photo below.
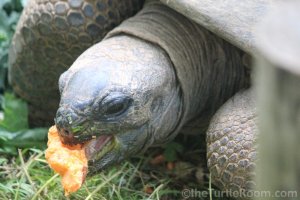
pixel 233 20
pixel 277 83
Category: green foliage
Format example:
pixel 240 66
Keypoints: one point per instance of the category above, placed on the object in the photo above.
pixel 9 15
pixel 14 132
pixel 9 141
pixel 15 113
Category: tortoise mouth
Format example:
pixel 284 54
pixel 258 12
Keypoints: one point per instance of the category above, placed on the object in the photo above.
pixel 98 147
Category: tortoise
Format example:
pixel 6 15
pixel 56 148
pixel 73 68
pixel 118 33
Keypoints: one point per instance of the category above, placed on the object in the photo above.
pixel 134 74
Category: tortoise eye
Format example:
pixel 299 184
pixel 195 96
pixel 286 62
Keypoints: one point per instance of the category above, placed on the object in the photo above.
pixel 115 105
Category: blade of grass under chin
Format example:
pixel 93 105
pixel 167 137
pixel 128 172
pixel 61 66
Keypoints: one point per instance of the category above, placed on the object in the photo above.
pixel 117 190
pixel 126 164
pixel 44 186
pixel 113 185
pixel 134 172
pixel 99 187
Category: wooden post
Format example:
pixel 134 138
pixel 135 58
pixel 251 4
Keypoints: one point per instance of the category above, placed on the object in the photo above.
pixel 278 88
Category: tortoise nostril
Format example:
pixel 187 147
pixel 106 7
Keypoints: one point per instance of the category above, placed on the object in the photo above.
pixel 66 122
pixel 67 136
pixel 65 132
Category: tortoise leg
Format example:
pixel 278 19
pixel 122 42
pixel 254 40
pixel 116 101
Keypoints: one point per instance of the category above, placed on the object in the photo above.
pixel 49 36
pixel 231 143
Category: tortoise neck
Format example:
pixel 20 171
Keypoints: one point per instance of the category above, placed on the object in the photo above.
pixel 208 69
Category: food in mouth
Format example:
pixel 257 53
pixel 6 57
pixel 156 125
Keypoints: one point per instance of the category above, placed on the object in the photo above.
pixel 71 161
pixel 68 161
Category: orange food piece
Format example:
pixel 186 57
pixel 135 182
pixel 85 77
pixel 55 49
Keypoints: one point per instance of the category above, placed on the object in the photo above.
pixel 68 161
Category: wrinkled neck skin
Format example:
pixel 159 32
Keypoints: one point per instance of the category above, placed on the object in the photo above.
pixel 208 69
pixel 122 67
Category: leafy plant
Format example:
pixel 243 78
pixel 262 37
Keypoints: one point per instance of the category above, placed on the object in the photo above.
pixel 14 132
pixel 9 15
pixel 15 113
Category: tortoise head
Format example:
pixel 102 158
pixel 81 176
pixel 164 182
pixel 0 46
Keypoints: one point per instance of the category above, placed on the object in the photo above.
pixel 120 97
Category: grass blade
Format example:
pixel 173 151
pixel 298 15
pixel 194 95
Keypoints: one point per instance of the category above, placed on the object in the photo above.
pixel 101 185
pixel 44 186
pixel 24 168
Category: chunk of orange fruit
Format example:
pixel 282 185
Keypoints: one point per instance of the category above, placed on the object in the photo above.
pixel 68 161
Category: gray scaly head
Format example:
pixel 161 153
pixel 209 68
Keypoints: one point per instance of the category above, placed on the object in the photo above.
pixel 125 101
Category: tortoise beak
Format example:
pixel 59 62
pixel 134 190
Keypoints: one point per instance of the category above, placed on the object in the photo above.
pixel 65 122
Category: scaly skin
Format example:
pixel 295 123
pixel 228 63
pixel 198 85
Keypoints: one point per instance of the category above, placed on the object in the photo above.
pixel 138 87
pixel 49 37
pixel 231 143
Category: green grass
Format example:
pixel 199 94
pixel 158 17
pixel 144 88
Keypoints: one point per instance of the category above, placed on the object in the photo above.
pixel 31 178
pixel 27 176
